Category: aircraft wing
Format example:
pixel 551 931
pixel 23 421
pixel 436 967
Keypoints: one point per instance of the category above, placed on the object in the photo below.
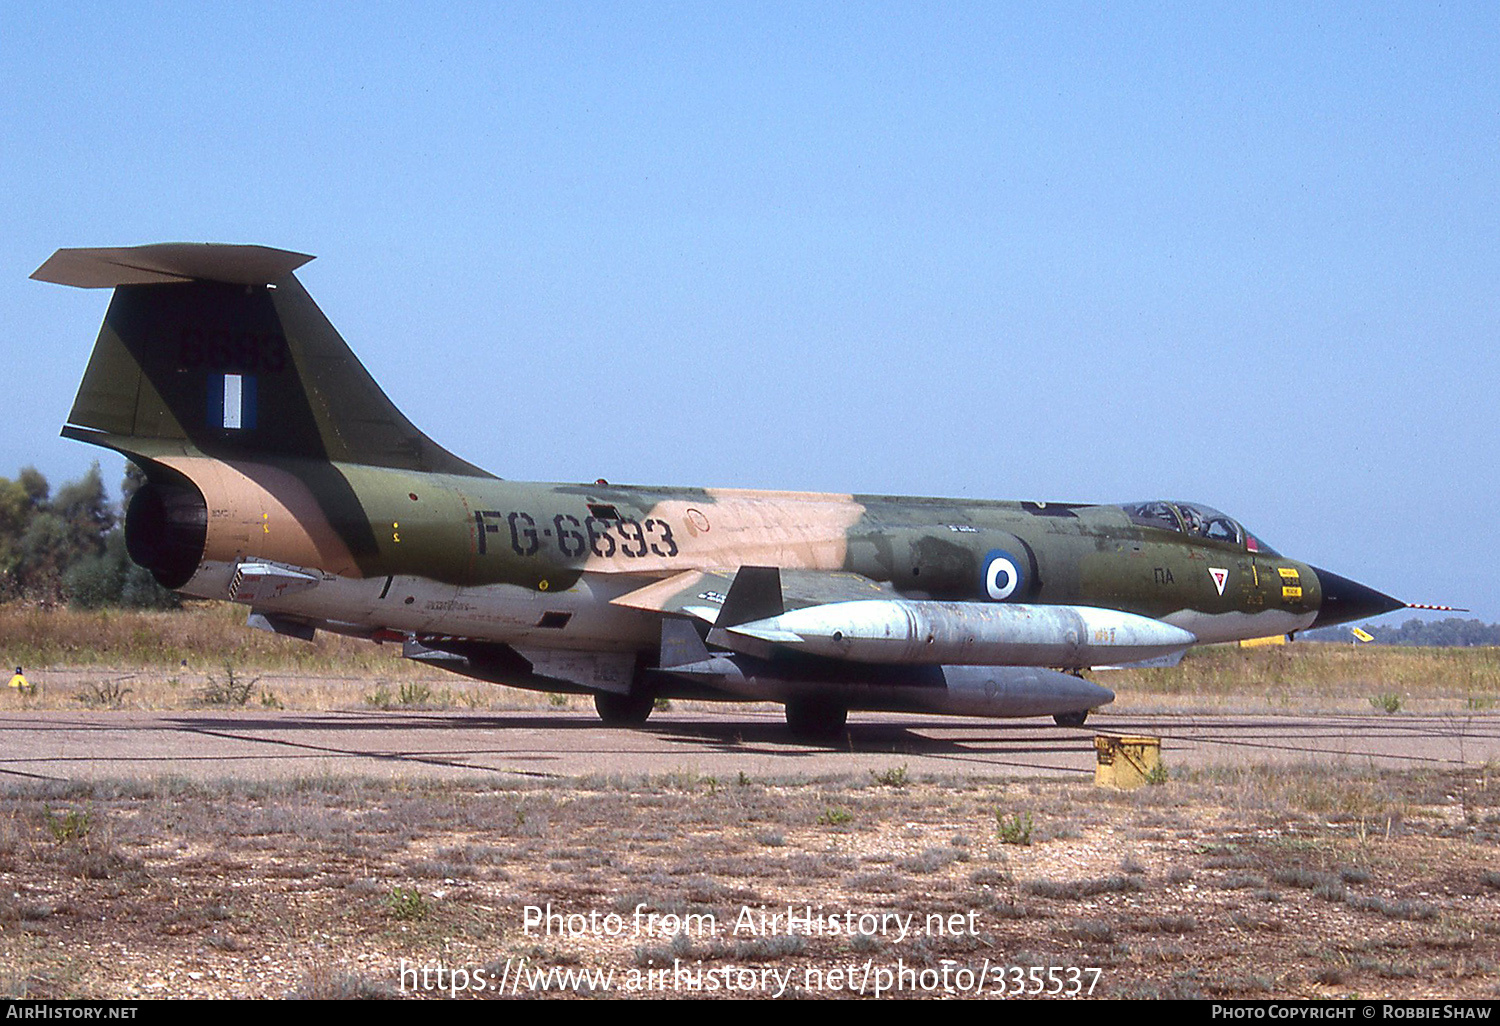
pixel 702 593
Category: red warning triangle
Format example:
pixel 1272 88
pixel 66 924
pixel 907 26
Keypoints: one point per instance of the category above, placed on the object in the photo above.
pixel 1220 576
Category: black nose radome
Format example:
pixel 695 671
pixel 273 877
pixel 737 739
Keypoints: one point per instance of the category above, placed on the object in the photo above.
pixel 1345 600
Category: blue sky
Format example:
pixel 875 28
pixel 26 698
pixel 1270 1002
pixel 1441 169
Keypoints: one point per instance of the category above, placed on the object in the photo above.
pixel 1067 252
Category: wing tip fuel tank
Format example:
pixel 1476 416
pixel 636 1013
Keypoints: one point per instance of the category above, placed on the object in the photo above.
pixel 918 632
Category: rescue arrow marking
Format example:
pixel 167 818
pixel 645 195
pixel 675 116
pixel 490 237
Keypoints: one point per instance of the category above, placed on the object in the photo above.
pixel 1220 576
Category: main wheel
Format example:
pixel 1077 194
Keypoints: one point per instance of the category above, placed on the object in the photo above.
pixel 811 718
pixel 1072 719
pixel 623 710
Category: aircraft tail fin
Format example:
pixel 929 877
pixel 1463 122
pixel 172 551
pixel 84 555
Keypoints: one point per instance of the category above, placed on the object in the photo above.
pixel 220 349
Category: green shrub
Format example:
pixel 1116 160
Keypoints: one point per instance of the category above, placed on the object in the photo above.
pixel 415 693
pixel 1015 829
pixel 894 777
pixel 406 903
pixel 233 689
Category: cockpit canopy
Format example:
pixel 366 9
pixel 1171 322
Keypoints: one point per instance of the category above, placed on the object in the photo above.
pixel 1195 520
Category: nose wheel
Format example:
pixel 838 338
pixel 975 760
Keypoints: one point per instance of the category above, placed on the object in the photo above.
pixel 1072 719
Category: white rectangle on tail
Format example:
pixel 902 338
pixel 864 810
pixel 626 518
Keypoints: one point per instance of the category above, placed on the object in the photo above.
pixel 234 401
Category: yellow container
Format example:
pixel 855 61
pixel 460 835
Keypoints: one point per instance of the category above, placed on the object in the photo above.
pixel 1126 761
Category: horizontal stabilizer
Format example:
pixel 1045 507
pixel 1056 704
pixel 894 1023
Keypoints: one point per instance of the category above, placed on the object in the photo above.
pixel 220 349
pixel 111 267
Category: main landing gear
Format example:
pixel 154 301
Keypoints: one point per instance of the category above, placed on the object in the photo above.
pixel 624 710
pixel 815 719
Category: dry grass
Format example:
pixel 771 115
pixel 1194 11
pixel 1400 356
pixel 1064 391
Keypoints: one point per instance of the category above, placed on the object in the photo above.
pixel 399 685
pixel 205 655
pixel 1326 674
pixel 1253 883
pixel 204 634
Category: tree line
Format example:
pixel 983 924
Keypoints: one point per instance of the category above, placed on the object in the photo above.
pixel 1451 632
pixel 69 545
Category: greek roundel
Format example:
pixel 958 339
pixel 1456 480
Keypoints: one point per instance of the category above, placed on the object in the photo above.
pixel 1003 576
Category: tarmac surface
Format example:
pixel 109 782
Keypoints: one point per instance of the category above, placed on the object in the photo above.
pixel 472 746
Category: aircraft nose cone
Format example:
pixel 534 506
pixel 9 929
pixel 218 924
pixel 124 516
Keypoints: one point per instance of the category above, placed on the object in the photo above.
pixel 1345 600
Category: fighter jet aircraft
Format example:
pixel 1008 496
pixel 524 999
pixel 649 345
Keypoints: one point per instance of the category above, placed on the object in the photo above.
pixel 281 477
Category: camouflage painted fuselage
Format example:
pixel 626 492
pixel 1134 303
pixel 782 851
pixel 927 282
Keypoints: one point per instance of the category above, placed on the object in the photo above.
pixel 485 558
